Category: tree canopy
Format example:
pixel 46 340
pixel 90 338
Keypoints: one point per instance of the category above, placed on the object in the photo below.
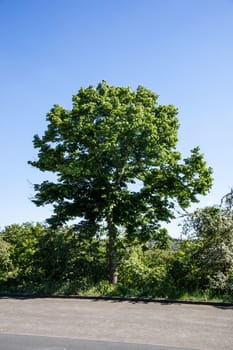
pixel 114 154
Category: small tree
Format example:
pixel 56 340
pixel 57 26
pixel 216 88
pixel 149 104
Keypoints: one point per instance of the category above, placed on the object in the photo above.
pixel 211 230
pixel 114 154
pixel 6 266
pixel 23 240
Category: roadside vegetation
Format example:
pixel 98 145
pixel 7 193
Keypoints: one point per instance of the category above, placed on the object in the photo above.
pixel 37 259
pixel 118 174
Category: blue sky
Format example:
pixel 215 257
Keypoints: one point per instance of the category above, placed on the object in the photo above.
pixel 181 49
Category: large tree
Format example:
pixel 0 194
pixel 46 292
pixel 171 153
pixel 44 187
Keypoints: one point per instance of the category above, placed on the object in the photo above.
pixel 114 154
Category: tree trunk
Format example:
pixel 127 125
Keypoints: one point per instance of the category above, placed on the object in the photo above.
pixel 112 252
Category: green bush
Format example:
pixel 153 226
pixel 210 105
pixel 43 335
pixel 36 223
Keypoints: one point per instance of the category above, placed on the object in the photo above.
pixel 6 265
pixel 143 270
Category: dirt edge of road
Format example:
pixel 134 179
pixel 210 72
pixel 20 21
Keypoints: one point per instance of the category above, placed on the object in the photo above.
pixel 109 298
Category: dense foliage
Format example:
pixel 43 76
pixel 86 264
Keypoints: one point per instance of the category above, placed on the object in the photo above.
pixel 118 171
pixel 35 258
pixel 210 231
pixel 114 137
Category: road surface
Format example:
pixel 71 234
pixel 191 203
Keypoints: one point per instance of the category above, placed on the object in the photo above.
pixel 28 342
pixel 83 321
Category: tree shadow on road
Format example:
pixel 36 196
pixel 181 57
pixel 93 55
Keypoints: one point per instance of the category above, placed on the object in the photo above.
pixel 219 305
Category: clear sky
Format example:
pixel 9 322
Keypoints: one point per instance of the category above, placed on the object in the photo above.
pixel 181 49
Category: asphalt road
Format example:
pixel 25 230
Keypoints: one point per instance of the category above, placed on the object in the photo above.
pixel 28 342
pixel 58 324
